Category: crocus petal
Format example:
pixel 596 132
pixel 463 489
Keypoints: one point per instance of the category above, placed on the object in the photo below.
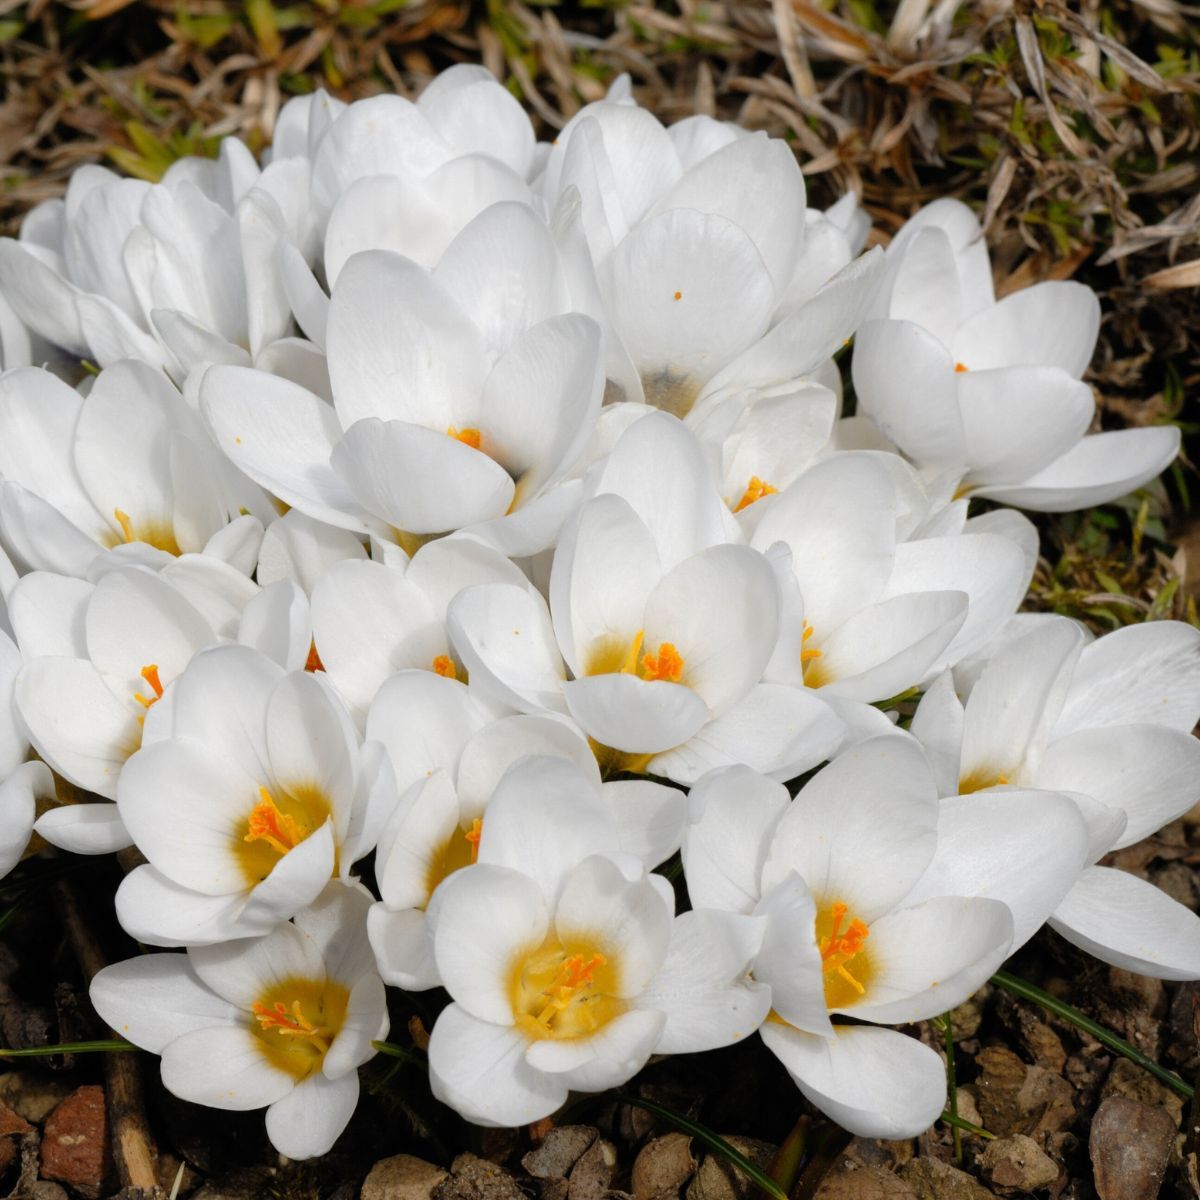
pixel 704 988
pixel 403 948
pixel 1152 773
pixel 604 1059
pixel 19 794
pixel 223 1067
pixel 632 715
pixel 82 828
pixel 650 818
pixel 1131 924
pixel 156 998
pixel 241 971
pixel 483 918
pixel 873 1082
pixel 1099 468
pixel 480 1070
pixel 864 830
pixel 930 957
pixel 155 910
pixel 310 1118
pixel 1025 848
pixel 732 816
pixel 789 962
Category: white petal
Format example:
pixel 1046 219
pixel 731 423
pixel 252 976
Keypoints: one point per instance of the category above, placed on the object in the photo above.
pixel 223 1067
pixel 630 714
pixel 83 828
pixel 310 1118
pixel 604 1059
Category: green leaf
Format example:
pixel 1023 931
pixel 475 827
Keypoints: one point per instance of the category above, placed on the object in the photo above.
pixel 70 1048
pixel 1029 991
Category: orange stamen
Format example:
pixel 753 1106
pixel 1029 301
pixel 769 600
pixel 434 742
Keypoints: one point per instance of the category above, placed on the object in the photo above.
pixel 756 489
pixel 573 976
pixel 473 835
pixel 839 948
pixel 666 664
pixel 313 661
pixel 444 666
pixel 291 1023
pixel 468 437
pixel 279 830
pixel 678 295
pixel 959 368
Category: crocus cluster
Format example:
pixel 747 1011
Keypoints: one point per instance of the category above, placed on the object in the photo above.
pixel 432 551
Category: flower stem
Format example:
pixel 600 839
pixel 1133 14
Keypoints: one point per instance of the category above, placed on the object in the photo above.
pixel 1027 991
pixel 956 1123
pixel 713 1141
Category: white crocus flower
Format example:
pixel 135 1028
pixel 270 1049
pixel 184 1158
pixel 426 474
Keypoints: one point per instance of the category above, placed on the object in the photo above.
pixel 247 803
pixel 126 467
pixel 460 399
pixel 99 658
pixel 848 877
pixel 698 269
pixel 372 619
pixel 452 758
pixel 660 683
pixel 281 1022
pixel 299 549
pixel 868 614
pixel 1110 720
pixel 986 391
pixel 568 970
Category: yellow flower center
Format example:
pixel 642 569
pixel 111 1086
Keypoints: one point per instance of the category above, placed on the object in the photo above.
pixel 841 943
pixel 614 657
pixel 296 1021
pixel 756 489
pixel 460 850
pixel 276 825
pixel 979 779
pixel 159 536
pixel 564 991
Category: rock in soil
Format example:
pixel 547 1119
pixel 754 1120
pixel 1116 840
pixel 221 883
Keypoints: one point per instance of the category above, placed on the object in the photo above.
pixel 1017 1164
pixel 1136 1083
pixel 718 1179
pixel 663 1167
pixel 401 1177
pixel 562 1149
pixel 932 1179
pixel 473 1178
pixel 1129 1146
pixel 849 1181
pixel 75 1148
pixel 593 1174
pixel 32 1096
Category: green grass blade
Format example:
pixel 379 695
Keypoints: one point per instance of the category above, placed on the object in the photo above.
pixel 1027 991
pixel 959 1123
pixel 69 1048
pixel 713 1141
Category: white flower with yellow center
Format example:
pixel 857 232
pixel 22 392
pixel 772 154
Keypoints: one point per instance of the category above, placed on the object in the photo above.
pixel 661 682
pixel 988 392
pixel 454 762
pixel 247 803
pixel 281 1022
pixel 372 619
pixel 462 396
pixel 851 878
pixel 1109 721
pixel 867 613
pixel 568 969
pixel 691 250
pixel 126 468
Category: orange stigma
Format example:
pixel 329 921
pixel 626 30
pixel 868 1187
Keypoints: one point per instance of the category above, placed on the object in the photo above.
pixel 959 368
pixel 444 666
pixel 473 835
pixel 290 1023
pixel 468 437
pixel 756 489
pixel 840 947
pixel 313 661
pixel 678 295
pixel 666 665
pixel 279 830
pixel 574 976
pixel 150 675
